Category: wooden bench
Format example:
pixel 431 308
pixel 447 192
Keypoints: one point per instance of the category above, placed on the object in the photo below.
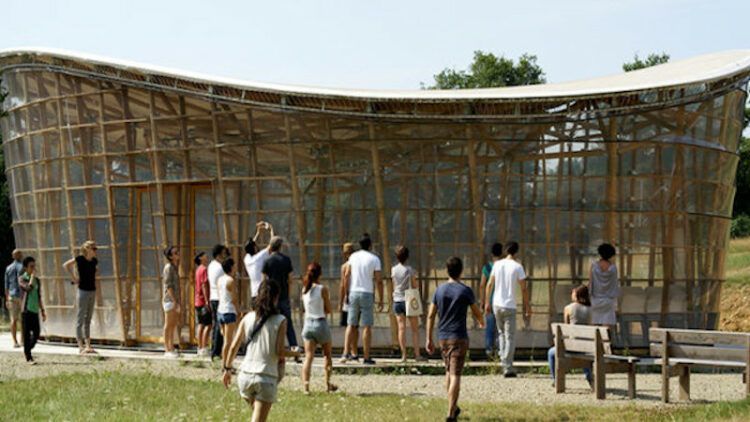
pixel 583 346
pixel 677 350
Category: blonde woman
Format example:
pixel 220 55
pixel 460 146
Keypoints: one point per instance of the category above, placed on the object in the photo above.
pixel 171 299
pixel 83 270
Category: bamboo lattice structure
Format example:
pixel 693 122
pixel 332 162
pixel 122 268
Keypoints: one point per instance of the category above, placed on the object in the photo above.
pixel 137 158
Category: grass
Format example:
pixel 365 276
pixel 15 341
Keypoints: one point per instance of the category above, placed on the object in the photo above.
pixel 738 261
pixel 120 396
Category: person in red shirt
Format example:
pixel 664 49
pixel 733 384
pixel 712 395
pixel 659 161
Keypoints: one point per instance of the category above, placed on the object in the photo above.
pixel 202 304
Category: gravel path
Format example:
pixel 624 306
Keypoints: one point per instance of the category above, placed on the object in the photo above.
pixel 527 388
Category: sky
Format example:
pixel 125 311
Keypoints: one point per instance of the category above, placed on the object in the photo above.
pixel 376 44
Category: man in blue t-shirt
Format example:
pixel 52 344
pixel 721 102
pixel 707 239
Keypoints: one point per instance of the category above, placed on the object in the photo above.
pixel 451 302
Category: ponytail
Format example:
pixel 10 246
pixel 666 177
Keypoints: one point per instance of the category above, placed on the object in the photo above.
pixel 311 276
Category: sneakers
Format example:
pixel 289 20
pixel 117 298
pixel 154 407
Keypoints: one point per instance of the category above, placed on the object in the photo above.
pixel 31 362
pixel 368 361
pixel 171 355
pixel 344 358
pixel 510 375
pixel 202 353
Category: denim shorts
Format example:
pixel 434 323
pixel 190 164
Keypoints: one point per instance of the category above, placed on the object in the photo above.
pixel 257 387
pixel 399 308
pixel 227 318
pixel 361 309
pixel 317 330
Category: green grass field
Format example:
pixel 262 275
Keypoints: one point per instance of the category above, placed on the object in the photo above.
pixel 738 261
pixel 120 396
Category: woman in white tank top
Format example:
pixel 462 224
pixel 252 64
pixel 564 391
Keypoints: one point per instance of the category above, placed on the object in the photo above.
pixel 228 304
pixel 317 305
pixel 262 369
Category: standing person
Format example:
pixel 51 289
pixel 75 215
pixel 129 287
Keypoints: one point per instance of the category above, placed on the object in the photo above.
pixel 255 258
pixel 578 312
pixel 262 369
pixel 170 279
pixel 605 287
pixel 215 271
pixel 278 268
pixel 451 303
pixel 363 272
pixel 350 348
pixel 404 278
pixel 317 304
pixel 490 327
pixel 228 304
pixel 13 294
pixel 201 302
pixel 86 270
pixel 32 306
pixel 506 274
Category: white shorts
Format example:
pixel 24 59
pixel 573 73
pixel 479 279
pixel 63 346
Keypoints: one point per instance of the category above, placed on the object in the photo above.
pixel 257 387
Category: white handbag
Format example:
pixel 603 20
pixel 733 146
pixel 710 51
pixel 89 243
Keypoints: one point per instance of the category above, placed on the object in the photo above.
pixel 413 302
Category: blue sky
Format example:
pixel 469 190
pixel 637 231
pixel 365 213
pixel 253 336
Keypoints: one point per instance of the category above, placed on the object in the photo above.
pixel 376 44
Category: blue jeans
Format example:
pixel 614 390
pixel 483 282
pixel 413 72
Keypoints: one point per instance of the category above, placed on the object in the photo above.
pixel 490 333
pixel 551 361
pixel 286 310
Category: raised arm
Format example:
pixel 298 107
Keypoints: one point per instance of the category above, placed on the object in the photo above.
pixel 431 314
pixel 488 295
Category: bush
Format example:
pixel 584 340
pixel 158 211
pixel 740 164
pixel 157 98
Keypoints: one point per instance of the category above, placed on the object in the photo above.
pixel 740 226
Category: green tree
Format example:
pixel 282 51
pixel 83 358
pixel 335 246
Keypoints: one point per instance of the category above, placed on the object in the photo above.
pixel 488 71
pixel 652 60
pixel 7 240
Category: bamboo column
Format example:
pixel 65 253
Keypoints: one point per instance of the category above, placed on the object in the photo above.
pixel 296 196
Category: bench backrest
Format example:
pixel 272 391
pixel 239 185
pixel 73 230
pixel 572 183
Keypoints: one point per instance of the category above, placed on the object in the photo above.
pixel 582 338
pixel 700 344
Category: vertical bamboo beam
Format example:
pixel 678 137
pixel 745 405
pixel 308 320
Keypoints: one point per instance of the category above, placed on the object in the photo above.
pixel 112 221
pixel 382 223
pixel 610 225
pixel 186 163
pixel 476 201
pixel 254 167
pixel 156 169
pixel 219 172
pixel 296 195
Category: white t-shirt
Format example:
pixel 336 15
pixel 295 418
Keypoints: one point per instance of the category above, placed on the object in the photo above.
pixel 363 265
pixel 401 275
pixel 507 273
pixel 254 267
pixel 214 272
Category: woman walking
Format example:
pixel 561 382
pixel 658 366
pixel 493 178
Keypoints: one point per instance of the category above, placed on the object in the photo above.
pixel 261 371
pixel 350 347
pixel 202 305
pixel 228 304
pixel 604 287
pixel 403 279
pixel 317 305
pixel 83 271
pixel 170 278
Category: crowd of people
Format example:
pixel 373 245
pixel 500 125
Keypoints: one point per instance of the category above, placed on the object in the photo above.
pixel 266 331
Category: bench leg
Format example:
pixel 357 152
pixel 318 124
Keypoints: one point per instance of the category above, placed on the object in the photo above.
pixel 600 387
pixel 665 383
pixel 631 381
pixel 747 381
pixel 684 372
pixel 560 376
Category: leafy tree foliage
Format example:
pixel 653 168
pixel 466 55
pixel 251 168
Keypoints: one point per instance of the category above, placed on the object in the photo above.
pixel 7 241
pixel 652 60
pixel 489 71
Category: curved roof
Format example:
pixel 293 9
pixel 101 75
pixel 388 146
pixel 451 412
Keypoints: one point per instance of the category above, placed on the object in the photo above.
pixel 701 69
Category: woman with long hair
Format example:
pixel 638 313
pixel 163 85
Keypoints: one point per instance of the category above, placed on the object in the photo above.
pixel 317 305
pixel 202 306
pixel 228 303
pixel 350 345
pixel 170 279
pixel 404 278
pixel 261 371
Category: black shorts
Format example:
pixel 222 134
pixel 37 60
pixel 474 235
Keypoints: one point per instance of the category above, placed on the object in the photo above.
pixel 203 315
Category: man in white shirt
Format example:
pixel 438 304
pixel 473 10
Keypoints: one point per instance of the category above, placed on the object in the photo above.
pixel 255 258
pixel 506 274
pixel 361 276
pixel 215 270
